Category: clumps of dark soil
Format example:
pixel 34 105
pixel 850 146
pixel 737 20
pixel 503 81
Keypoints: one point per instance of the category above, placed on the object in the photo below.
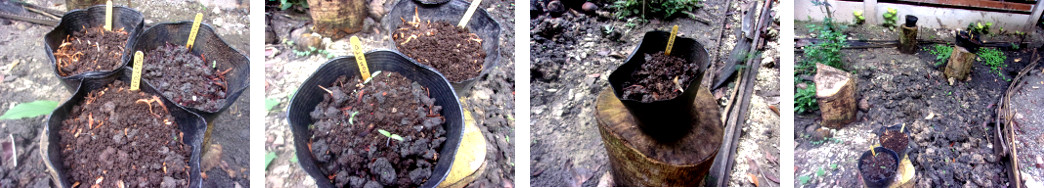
pixel 185 78
pixel 879 167
pixel 92 50
pixel 661 77
pixel 347 135
pixel 122 138
pixel 895 141
pixel 455 52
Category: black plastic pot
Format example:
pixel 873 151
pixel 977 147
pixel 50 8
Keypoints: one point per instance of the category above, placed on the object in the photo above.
pixel 670 119
pixel 208 44
pixel 906 132
pixel 883 182
pixel 911 21
pixel 481 24
pixel 309 95
pixel 76 21
pixel 193 126
pixel 431 2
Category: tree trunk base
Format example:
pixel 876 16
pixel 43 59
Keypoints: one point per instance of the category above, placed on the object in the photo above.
pixel 908 39
pixel 638 160
pixel 960 63
pixel 338 18
pixel 835 92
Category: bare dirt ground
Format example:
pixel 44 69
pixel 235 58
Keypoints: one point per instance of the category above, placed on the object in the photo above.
pixel 26 76
pixel 948 123
pixel 491 100
pixel 571 59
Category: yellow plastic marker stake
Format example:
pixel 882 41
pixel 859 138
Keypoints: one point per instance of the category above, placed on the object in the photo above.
pixel 108 15
pixel 359 59
pixel 467 15
pixel 195 29
pixel 902 128
pixel 136 74
pixel 670 42
pixel 872 150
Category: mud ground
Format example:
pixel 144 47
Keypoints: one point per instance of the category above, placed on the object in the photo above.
pixel 571 58
pixel 491 100
pixel 948 123
pixel 26 76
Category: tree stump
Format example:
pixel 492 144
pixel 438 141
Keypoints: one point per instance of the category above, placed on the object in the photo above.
pixel 908 39
pixel 835 92
pixel 960 63
pixel 337 18
pixel 82 4
pixel 638 160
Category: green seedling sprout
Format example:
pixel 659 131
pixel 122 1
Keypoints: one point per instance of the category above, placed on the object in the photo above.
pixel 213 65
pixel 371 77
pixel 390 136
pixel 351 119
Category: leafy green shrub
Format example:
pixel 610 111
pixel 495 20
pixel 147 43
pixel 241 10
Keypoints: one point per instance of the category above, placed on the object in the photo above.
pixel 980 28
pixel 805 99
pixel 286 4
pixel 941 52
pixel 994 59
pixel 891 17
pixel 664 8
pixel 827 51
pixel 859 17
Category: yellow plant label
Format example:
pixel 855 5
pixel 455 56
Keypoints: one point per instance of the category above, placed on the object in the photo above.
pixel 195 29
pixel 670 42
pixel 108 15
pixel 467 15
pixel 872 151
pixel 136 73
pixel 360 60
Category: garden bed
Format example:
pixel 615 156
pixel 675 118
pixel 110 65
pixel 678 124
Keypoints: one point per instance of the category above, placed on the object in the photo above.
pixel 950 125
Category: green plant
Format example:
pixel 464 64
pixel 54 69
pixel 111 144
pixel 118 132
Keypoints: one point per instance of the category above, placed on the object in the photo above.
pixel 995 60
pixel 827 50
pixel 820 172
pixel 941 52
pixel 805 99
pixel 286 4
pixel 664 8
pixel 271 103
pixel 833 166
pixel 891 17
pixel 804 179
pixel 859 17
pixel 390 135
pixel 980 28
pixel 269 157
pixel 30 109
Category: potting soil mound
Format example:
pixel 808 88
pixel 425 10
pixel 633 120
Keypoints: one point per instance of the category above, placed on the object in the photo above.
pixel 357 126
pixel 662 77
pixel 453 51
pixel 185 78
pixel 878 167
pixel 122 138
pixel 895 141
pixel 92 50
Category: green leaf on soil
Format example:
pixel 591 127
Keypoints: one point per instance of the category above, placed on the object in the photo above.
pixel 384 132
pixel 396 137
pixel 269 157
pixel 371 77
pixel 351 120
pixel 820 172
pixel 833 166
pixel 293 159
pixel 804 179
pixel 271 103
pixel 30 109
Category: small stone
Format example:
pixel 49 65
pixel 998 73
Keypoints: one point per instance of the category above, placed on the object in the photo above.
pixel 279 141
pixel 589 7
pixel 822 133
pixel 864 104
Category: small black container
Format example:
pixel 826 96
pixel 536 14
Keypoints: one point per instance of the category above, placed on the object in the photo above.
pixel 193 126
pixel 209 45
pixel 898 127
pixel 309 95
pixel 670 119
pixel 911 21
pixel 481 24
pixel 886 181
pixel 75 21
pixel 431 2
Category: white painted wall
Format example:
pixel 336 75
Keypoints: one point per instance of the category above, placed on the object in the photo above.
pixel 930 17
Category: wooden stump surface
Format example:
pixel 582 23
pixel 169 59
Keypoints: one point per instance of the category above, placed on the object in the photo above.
pixel 639 160
pixel 835 93
pixel 82 4
pixel 337 18
pixel 960 63
pixel 907 39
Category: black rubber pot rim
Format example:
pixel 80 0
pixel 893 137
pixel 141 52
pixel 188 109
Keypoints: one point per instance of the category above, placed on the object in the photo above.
pixel 299 108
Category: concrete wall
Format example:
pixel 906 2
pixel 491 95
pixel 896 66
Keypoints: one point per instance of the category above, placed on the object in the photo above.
pixel 931 17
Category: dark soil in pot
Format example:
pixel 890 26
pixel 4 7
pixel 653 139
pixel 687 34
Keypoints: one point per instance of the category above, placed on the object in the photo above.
pixel 348 140
pixel 878 170
pixel 119 138
pixel 895 141
pixel 186 79
pixel 455 52
pixel 92 50
pixel 661 77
